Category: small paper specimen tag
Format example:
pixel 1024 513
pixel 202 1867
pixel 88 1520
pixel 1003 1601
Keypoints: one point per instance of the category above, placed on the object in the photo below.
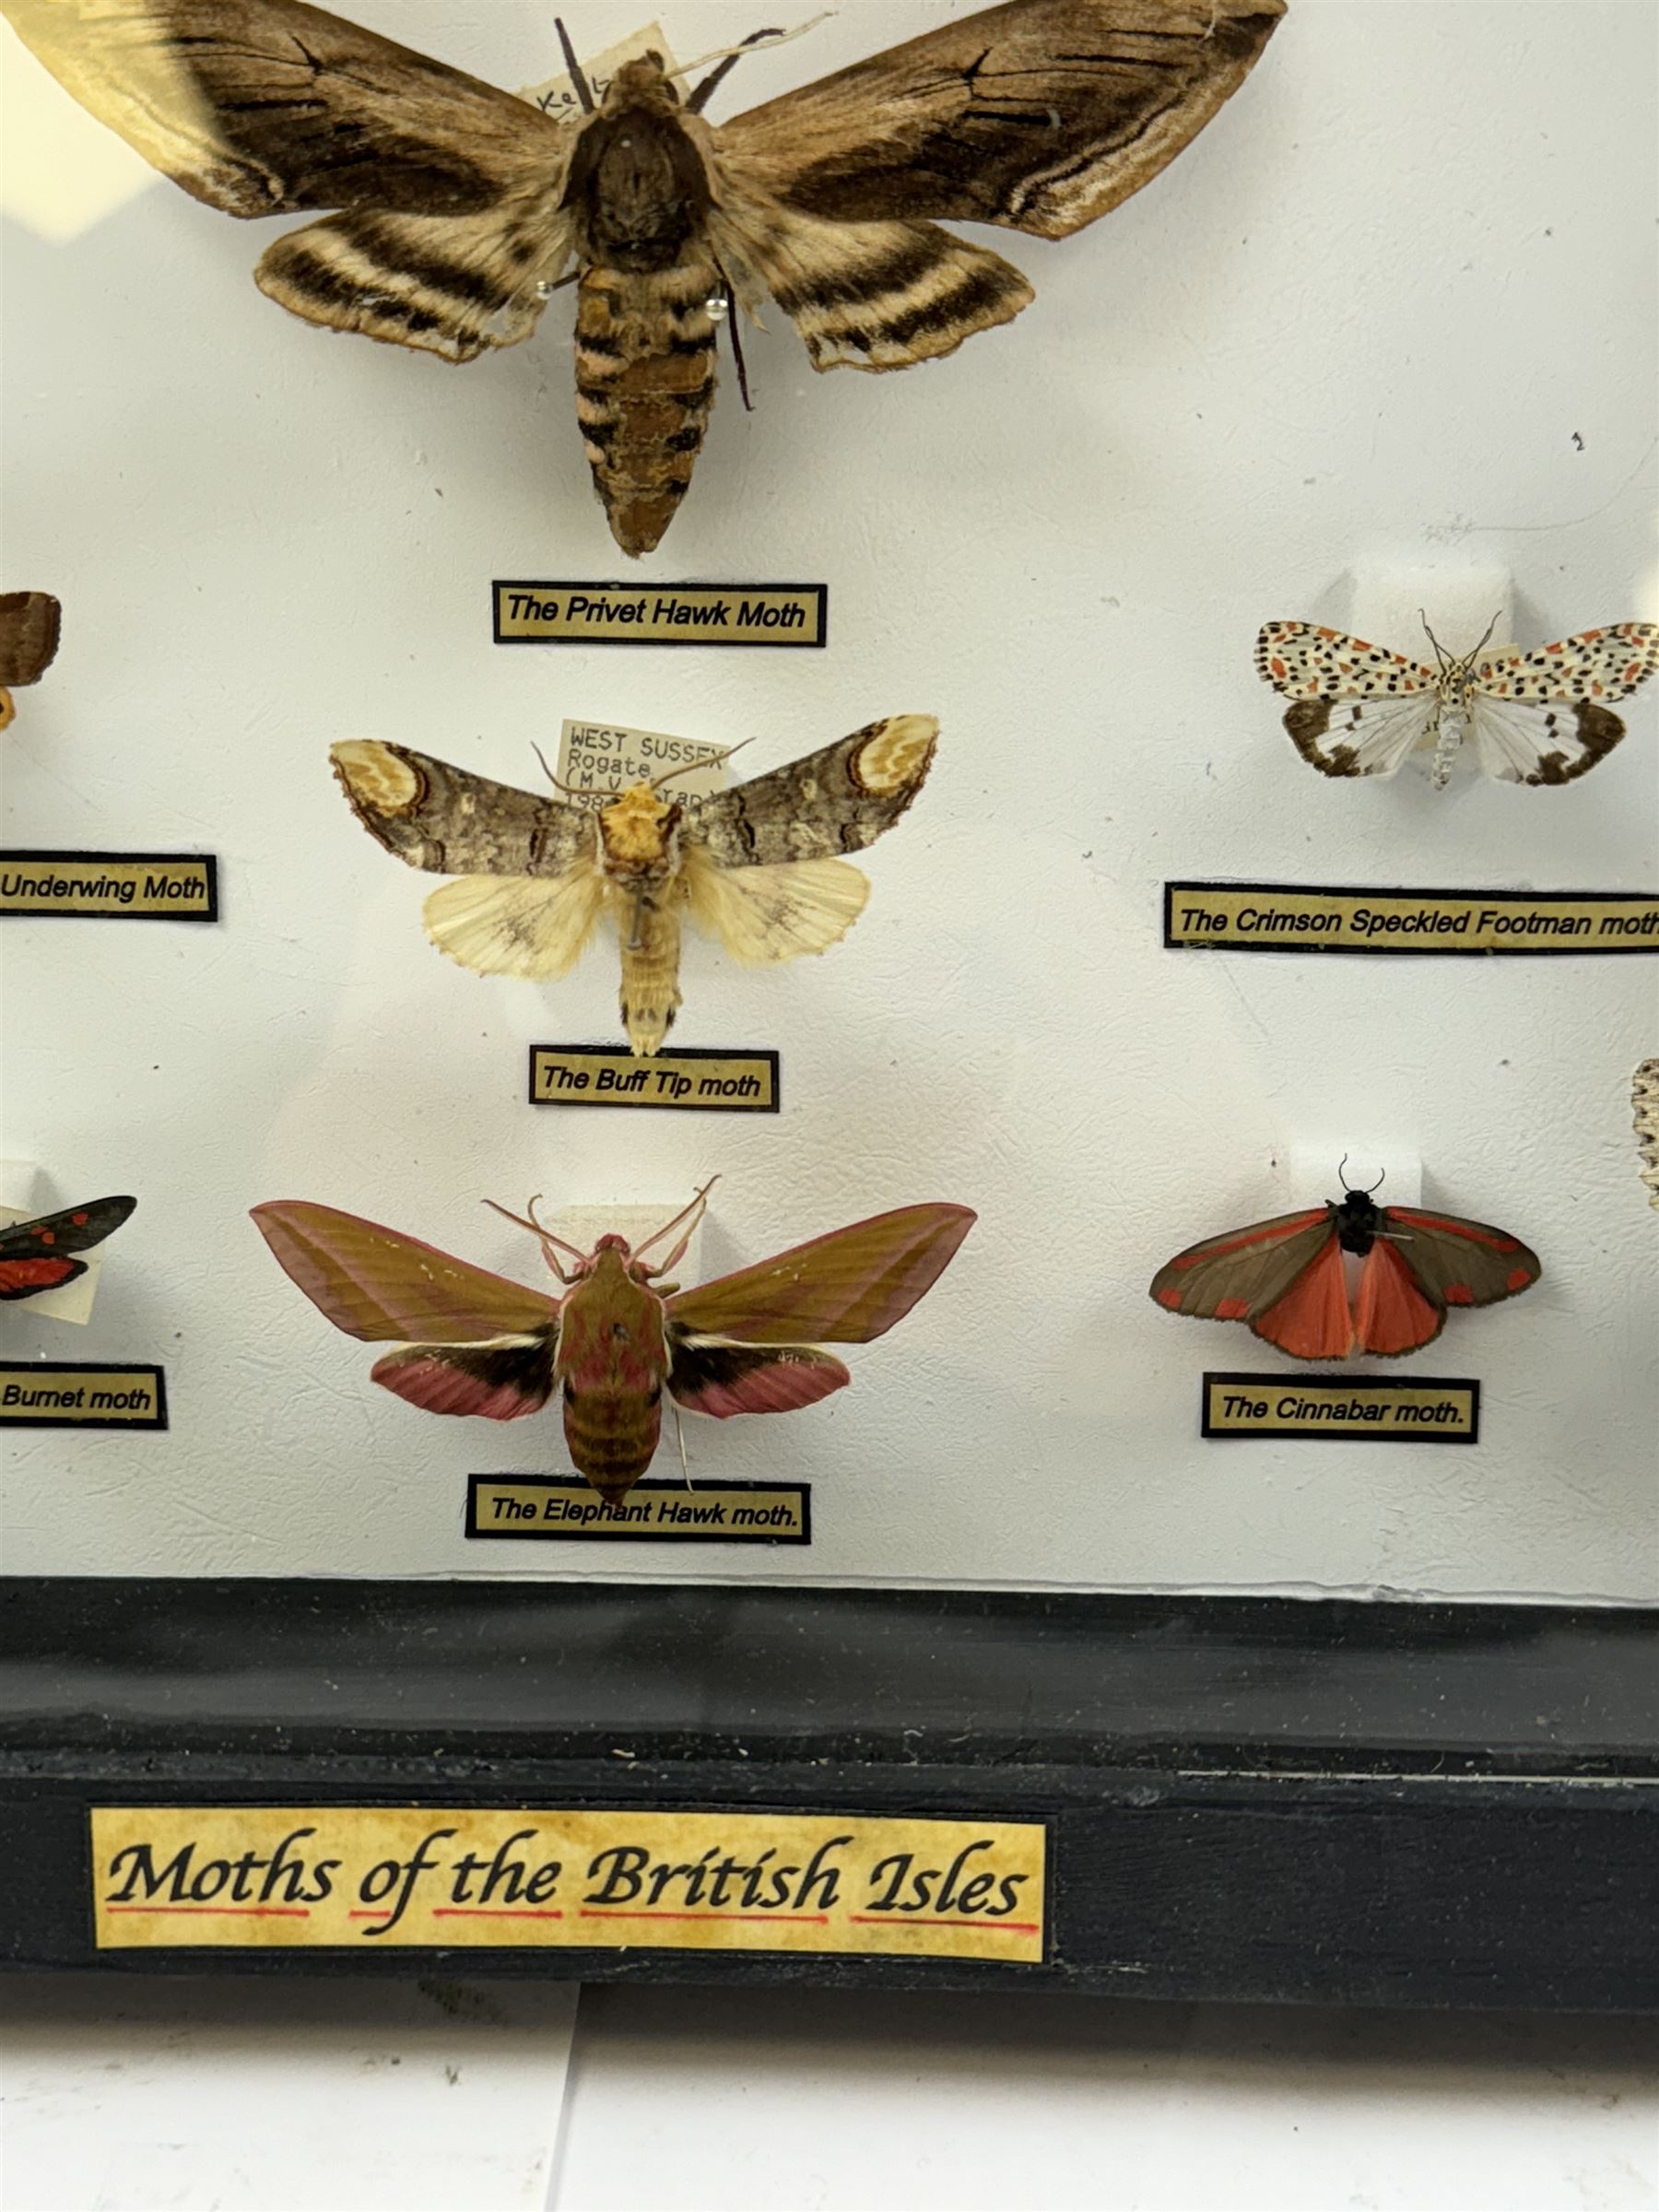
pixel 600 757
pixel 545 1508
pixel 120 887
pixel 1282 917
pixel 565 613
pixel 557 96
pixel 79 1393
pixel 1428 1409
pixel 703 1079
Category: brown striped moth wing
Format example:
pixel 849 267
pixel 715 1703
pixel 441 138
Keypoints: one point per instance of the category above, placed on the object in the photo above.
pixel 1644 1098
pixel 29 624
pixel 1356 709
pixel 530 889
pixel 1039 115
pixel 760 868
pixel 1543 717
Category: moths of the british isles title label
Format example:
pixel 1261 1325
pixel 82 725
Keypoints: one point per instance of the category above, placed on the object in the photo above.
pixel 80 1394
pixel 1426 1409
pixel 705 1079
pixel 545 1508
pixel 1282 917
pixel 562 613
pixel 123 887
pixel 247 1878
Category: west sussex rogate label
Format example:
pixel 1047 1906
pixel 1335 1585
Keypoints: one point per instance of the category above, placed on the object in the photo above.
pixel 702 1078
pixel 562 613
pixel 546 1508
pixel 78 1394
pixel 1426 1409
pixel 241 1878
pixel 1268 917
pixel 130 886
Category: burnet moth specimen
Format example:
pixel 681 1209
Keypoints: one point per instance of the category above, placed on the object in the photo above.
pixel 39 1255
pixel 474 1343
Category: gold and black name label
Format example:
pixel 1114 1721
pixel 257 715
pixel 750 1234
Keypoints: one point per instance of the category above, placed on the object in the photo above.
pixel 669 614
pixel 545 1508
pixel 1426 1409
pixel 706 1080
pixel 1282 917
pixel 80 1394
pixel 125 887
pixel 256 1877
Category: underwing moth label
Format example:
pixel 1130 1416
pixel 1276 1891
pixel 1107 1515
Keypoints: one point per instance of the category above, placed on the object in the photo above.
pixel 596 759
pixel 545 1508
pixel 259 1878
pixel 1427 1409
pixel 704 1079
pixel 78 1394
pixel 124 886
pixel 680 614
pixel 1279 917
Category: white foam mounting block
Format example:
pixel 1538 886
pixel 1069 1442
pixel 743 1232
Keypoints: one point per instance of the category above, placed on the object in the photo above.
pixel 1460 593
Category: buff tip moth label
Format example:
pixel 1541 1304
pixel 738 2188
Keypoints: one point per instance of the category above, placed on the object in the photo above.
pixel 565 613
pixel 703 1079
pixel 1279 917
pixel 1428 1409
pixel 253 1877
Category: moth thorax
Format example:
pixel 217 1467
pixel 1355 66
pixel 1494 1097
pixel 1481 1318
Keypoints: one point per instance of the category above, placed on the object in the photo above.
pixel 639 835
pixel 1355 1220
pixel 637 183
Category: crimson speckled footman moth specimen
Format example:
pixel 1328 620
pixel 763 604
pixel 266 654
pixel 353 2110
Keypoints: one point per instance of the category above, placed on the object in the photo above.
pixel 460 208
pixel 471 1342
pixel 1286 1278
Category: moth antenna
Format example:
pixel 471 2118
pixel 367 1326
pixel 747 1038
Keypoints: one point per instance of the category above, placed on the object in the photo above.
pixel 1439 651
pixel 570 790
pixel 691 1216
pixel 1341 1178
pixel 1486 634
pixel 584 91
pixel 1378 1184
pixel 548 1238
pixel 736 337
pixel 729 57
pixel 686 767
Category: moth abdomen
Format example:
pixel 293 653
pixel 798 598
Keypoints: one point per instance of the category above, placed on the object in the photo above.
pixel 650 996
pixel 644 386
pixel 611 1436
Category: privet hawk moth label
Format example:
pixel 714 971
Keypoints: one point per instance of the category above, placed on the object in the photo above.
pixel 1428 1409
pixel 703 1079
pixel 1283 917
pixel 551 1508
pixel 259 1878
pixel 120 887
pixel 680 614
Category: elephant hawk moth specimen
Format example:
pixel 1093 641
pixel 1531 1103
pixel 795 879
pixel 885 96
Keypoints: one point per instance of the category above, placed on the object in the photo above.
pixel 474 1343
pixel 753 866
pixel 1538 718
pixel 30 623
pixel 457 208
pixel 40 1255
pixel 1284 1277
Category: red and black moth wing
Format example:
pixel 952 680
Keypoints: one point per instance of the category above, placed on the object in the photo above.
pixel 1421 1264
pixel 1283 1276
pixel 38 1255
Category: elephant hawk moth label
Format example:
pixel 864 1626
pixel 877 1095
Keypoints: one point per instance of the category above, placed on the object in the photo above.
pixel 259 1878
pixel 543 1508
pixel 1427 1409
pixel 705 1080
pixel 671 614
pixel 1282 917
pixel 120 887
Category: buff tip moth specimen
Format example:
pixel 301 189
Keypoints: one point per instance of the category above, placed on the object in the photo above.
pixel 453 210
pixel 1644 1098
pixel 474 1343
pixel 754 867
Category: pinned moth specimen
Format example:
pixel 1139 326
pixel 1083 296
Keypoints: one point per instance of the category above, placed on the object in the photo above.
pixel 1284 1277
pixel 474 1343
pixel 1538 717
pixel 39 1255
pixel 1644 1097
pixel 461 208
pixel 753 866
pixel 30 623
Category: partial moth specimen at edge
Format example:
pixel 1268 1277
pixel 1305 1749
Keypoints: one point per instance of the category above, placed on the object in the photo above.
pixel 474 1343
pixel 754 867
pixel 30 626
pixel 459 208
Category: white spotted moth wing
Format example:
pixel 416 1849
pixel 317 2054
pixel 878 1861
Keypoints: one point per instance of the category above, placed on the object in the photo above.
pixel 1644 1097
pixel 1543 717
pixel 1356 709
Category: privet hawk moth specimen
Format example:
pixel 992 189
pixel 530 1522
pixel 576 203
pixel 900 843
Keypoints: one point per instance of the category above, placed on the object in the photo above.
pixel 752 866
pixel 1644 1098
pixel 471 1342
pixel 458 207
pixel 30 623
pixel 39 1255
pixel 1286 1279
pixel 1538 717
